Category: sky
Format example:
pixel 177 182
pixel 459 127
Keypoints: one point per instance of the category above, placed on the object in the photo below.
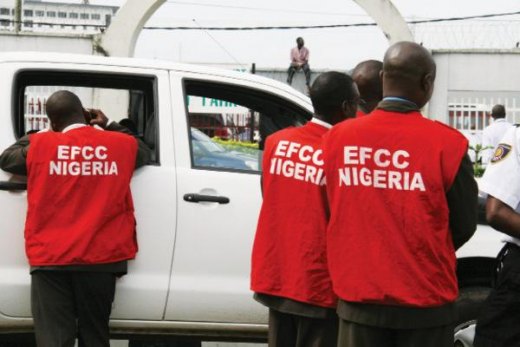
pixel 339 48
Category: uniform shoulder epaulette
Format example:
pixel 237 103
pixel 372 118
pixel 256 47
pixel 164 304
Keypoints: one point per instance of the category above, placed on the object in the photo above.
pixel 516 125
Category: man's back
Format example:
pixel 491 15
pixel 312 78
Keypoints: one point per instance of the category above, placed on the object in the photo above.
pixel 398 246
pixel 85 173
pixel 293 213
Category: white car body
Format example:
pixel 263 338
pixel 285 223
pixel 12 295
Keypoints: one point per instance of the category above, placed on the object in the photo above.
pixel 191 274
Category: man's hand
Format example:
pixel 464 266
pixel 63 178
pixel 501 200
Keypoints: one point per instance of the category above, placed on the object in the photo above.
pixel 97 117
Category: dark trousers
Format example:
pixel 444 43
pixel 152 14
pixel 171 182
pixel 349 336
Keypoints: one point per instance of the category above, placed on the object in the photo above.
pixel 289 330
pixel 358 335
pixel 70 304
pixel 306 70
pixel 498 324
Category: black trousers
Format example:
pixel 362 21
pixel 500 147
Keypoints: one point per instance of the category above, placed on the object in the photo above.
pixel 498 324
pixel 306 70
pixel 289 330
pixel 358 335
pixel 70 304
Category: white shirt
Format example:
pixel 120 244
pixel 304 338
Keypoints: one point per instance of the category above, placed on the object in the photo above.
pixel 321 122
pixel 491 136
pixel 502 176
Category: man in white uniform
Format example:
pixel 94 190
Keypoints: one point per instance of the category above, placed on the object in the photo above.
pixel 499 322
pixel 493 133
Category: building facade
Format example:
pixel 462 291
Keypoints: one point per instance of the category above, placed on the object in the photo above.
pixel 53 17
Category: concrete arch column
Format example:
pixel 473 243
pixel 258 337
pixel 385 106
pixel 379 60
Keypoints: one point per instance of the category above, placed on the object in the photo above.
pixel 121 36
pixel 388 18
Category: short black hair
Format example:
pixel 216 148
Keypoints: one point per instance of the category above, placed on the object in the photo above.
pixel 63 105
pixel 498 111
pixel 330 90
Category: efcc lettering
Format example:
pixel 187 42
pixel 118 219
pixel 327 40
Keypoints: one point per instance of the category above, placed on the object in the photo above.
pixel 305 163
pixel 355 173
pixel 82 161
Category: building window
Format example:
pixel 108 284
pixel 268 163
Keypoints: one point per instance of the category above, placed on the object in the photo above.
pixel 28 13
pixel 73 15
pixel 4 11
pixel 29 24
pixel 62 14
pixel 96 16
pixel 51 14
pixel 84 16
pixel 4 23
pixel 39 13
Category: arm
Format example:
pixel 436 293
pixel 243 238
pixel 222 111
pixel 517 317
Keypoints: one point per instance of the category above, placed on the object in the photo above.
pixel 502 217
pixel 144 153
pixel 13 159
pixel 462 200
pixel 305 58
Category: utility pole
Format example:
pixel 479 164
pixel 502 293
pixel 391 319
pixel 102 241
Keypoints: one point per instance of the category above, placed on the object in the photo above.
pixel 18 16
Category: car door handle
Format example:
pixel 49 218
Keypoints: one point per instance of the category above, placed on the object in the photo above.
pixel 4 185
pixel 205 198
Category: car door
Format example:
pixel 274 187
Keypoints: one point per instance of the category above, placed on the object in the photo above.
pixel 142 98
pixel 219 194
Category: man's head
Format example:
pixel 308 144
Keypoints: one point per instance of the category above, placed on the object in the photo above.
pixel 299 42
pixel 498 111
pixel 408 72
pixel 334 97
pixel 63 109
pixel 367 76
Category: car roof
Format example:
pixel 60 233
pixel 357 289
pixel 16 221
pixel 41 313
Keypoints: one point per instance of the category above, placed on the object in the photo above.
pixel 51 57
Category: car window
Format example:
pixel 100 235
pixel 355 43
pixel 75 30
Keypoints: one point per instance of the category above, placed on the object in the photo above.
pixel 228 125
pixel 129 101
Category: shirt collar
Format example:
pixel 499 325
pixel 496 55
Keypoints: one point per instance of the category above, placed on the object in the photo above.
pixel 73 126
pixel 321 122
pixel 80 125
pixel 499 120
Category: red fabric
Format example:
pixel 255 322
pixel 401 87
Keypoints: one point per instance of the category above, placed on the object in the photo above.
pixel 78 214
pixel 289 256
pixel 360 113
pixel 388 245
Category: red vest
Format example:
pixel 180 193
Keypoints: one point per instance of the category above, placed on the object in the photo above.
pixel 80 208
pixel 389 239
pixel 360 113
pixel 289 256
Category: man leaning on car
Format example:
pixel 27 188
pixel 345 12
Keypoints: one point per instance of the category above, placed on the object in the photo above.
pixel 80 225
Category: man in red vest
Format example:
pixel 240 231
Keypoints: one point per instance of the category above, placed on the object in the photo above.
pixel 289 264
pixel 80 225
pixel 402 199
pixel 367 76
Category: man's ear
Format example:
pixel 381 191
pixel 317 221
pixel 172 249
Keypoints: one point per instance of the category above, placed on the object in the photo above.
pixel 427 82
pixel 349 109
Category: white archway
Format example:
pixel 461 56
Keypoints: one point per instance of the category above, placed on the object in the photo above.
pixel 121 36
pixel 388 18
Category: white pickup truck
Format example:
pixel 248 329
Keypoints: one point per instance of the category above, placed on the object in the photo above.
pixel 196 204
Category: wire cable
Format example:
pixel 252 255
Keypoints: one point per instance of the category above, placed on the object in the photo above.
pixel 251 28
pixel 221 46
pixel 331 26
